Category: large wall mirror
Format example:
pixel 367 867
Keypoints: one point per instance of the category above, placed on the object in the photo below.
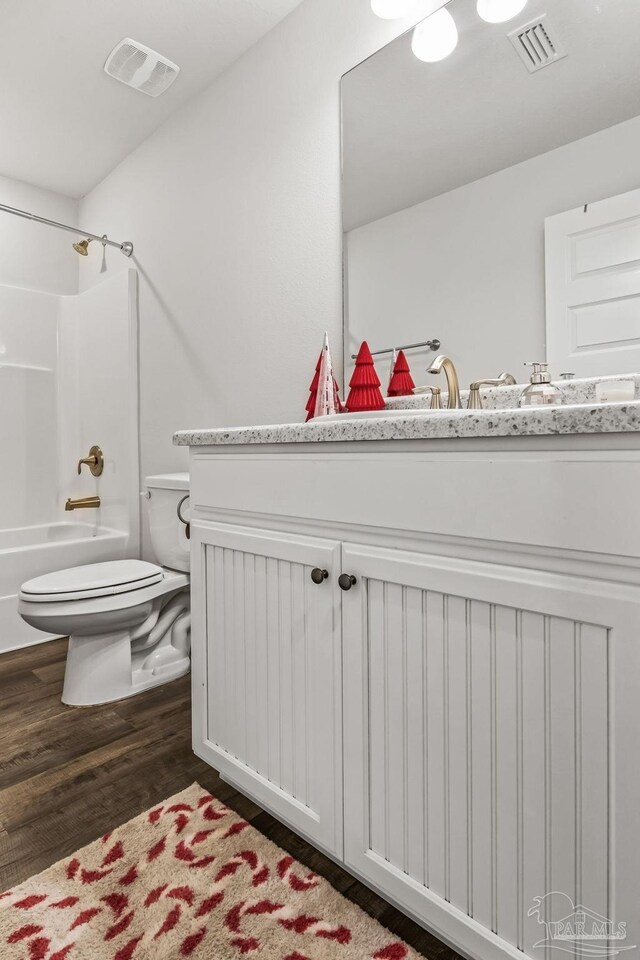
pixel 492 199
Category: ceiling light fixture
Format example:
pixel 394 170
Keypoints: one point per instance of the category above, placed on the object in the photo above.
pixel 393 9
pixel 499 11
pixel 436 37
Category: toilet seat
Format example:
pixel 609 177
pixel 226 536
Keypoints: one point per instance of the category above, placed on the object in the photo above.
pixel 92 580
pixel 131 639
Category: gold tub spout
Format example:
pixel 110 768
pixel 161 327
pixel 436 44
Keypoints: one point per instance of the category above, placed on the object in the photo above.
pixel 84 503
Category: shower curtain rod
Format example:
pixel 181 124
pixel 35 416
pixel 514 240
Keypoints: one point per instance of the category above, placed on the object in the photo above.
pixel 126 248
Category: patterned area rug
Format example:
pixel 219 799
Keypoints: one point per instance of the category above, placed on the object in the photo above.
pixel 186 879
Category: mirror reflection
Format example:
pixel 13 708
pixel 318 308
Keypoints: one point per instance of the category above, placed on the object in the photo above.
pixel 491 198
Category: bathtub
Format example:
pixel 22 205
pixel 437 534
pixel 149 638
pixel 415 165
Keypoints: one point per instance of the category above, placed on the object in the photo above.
pixel 27 552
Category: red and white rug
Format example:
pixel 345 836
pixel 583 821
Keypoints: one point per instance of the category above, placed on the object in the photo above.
pixel 187 879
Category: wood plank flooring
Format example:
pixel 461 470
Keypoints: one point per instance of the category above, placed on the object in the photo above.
pixel 68 775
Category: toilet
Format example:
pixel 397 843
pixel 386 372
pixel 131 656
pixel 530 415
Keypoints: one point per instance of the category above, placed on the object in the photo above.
pixel 128 621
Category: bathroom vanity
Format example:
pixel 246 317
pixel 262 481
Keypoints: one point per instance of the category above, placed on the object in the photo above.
pixel 416 642
pixel 416 636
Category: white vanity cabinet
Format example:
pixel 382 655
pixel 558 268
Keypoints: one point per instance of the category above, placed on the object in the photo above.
pixel 267 671
pixel 460 725
pixel 483 707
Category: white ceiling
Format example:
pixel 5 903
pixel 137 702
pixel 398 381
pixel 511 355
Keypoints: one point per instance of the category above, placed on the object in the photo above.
pixel 64 124
pixel 414 130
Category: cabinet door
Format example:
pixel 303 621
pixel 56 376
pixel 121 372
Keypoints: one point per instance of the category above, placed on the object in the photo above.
pixel 267 671
pixel 490 717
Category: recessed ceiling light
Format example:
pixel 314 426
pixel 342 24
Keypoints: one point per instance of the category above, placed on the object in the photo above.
pixel 436 37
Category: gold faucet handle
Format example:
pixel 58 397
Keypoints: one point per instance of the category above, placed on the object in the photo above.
pixel 95 462
pixel 436 398
pixel 475 400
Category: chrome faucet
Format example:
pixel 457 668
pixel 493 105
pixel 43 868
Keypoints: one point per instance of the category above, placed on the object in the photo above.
pixel 453 386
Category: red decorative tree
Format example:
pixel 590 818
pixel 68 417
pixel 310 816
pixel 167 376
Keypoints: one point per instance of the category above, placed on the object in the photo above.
pixel 401 383
pixel 365 384
pixel 323 392
pixel 313 391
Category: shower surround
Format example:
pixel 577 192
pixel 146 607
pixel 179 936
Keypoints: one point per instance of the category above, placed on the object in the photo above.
pixel 68 379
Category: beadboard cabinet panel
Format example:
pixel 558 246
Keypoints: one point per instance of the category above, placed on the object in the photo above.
pixel 481 711
pixel 268 665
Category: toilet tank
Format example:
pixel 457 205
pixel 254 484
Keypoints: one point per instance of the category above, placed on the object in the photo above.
pixel 168 537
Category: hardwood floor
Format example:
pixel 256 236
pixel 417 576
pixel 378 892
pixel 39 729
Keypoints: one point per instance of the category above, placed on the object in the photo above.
pixel 68 774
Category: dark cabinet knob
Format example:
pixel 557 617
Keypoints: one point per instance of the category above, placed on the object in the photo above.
pixel 318 575
pixel 346 581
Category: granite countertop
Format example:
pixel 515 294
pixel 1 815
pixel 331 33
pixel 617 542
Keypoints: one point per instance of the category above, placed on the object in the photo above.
pixel 501 417
pixel 438 424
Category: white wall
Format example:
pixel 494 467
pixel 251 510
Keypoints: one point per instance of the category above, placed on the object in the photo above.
pixel 468 267
pixel 234 210
pixel 33 255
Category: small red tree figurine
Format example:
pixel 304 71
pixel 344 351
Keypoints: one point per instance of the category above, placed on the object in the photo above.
pixel 313 391
pixel 401 383
pixel 365 383
pixel 323 392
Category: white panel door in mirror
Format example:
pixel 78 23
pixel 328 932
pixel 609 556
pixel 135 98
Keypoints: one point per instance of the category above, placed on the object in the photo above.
pixel 593 287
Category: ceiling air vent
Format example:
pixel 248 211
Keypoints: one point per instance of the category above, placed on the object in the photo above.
pixel 537 44
pixel 139 67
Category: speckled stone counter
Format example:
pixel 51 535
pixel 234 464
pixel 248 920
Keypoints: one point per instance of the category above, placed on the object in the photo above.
pixel 502 398
pixel 437 424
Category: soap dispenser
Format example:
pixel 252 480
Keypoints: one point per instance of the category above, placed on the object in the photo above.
pixel 540 392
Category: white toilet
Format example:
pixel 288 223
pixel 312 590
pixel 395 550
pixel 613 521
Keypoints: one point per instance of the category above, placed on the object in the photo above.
pixel 128 621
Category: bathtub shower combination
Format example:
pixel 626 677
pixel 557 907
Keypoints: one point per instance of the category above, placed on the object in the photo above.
pixel 68 374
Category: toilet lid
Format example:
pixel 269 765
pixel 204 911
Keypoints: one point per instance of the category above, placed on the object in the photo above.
pixel 93 580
